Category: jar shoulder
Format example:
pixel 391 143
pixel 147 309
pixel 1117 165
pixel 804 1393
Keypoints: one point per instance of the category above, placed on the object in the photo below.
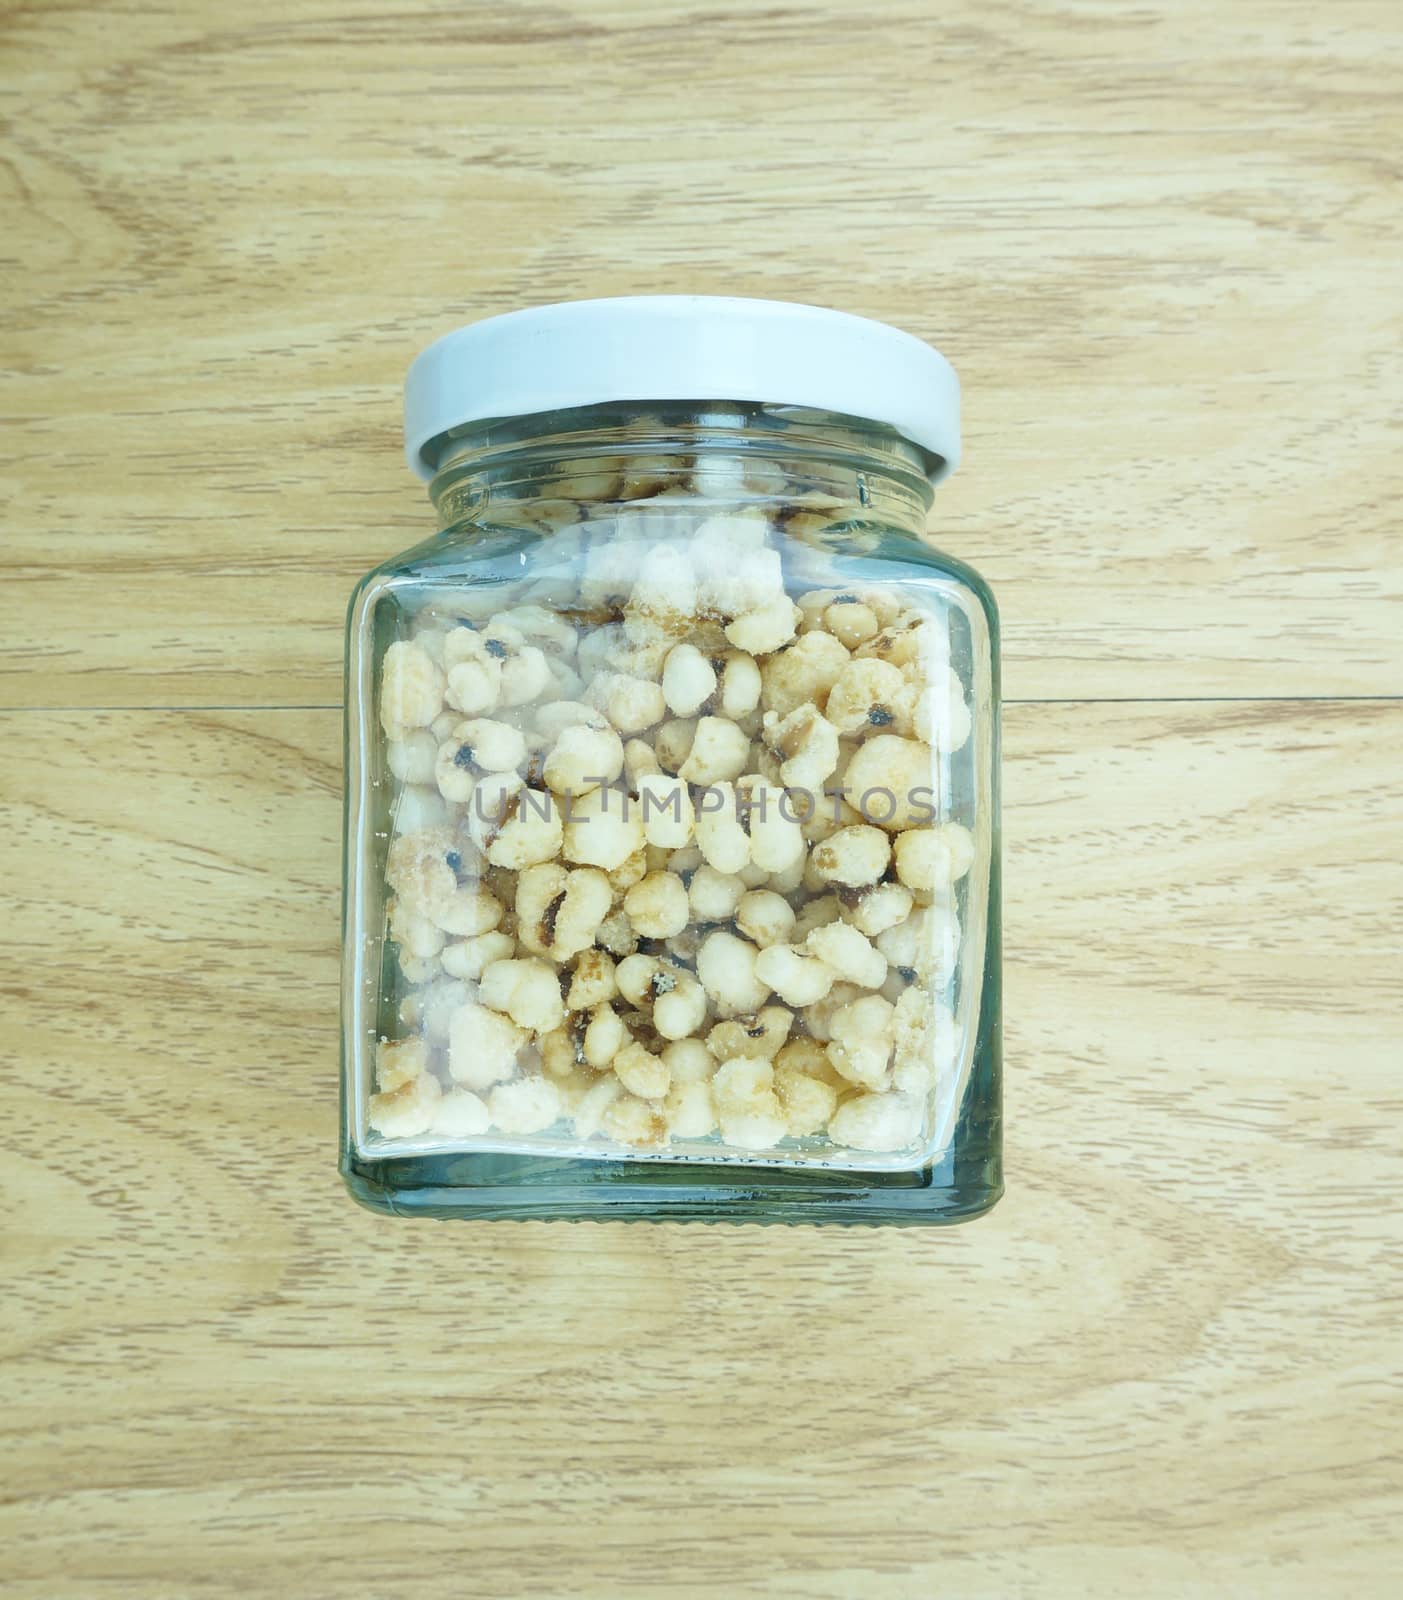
pixel 493 551
pixel 900 555
pixel 458 550
pixel 882 553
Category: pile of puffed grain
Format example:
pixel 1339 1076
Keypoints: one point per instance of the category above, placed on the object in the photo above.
pixel 667 857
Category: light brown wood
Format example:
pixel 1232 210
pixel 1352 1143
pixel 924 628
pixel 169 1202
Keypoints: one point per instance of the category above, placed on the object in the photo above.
pixel 1160 244
pixel 1168 1362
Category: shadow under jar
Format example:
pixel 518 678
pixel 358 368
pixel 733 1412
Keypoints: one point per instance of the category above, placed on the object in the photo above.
pixel 672 842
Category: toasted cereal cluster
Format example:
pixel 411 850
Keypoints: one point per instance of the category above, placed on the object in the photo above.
pixel 666 863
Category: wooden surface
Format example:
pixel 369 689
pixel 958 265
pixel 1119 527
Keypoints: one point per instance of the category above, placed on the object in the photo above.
pixel 1161 245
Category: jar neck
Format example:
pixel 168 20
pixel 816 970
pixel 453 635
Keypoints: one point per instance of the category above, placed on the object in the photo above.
pixel 556 468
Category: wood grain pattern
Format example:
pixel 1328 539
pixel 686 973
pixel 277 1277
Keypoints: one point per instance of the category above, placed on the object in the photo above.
pixel 1168 1362
pixel 1160 244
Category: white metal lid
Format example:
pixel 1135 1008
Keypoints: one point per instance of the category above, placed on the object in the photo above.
pixel 683 347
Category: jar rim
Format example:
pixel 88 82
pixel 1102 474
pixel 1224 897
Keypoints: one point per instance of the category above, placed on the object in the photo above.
pixel 654 348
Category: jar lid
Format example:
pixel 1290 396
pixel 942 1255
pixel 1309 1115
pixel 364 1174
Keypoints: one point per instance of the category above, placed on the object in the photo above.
pixel 683 347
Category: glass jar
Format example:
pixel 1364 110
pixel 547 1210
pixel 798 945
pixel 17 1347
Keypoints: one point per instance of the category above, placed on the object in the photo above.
pixel 672 841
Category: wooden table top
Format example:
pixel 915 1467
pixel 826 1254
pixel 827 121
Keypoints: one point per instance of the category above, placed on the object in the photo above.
pixel 1161 245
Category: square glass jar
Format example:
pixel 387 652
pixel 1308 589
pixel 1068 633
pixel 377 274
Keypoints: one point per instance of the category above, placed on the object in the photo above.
pixel 672 847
